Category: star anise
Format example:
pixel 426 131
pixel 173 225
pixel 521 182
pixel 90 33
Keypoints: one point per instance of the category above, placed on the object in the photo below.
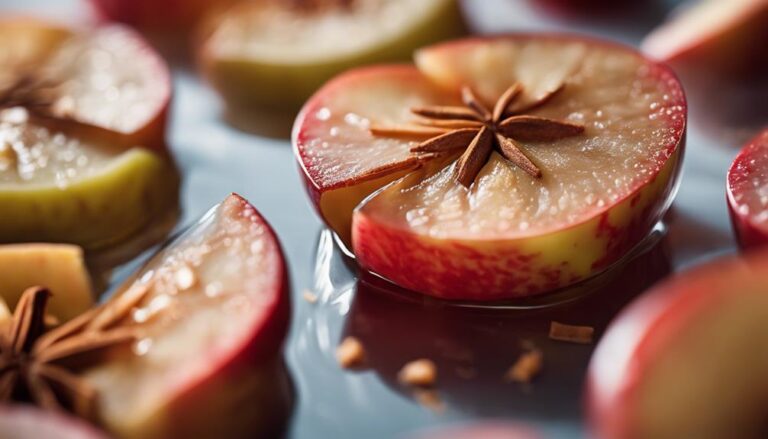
pixel 30 93
pixel 36 364
pixel 480 131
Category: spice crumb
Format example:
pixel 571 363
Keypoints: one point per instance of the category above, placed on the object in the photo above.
pixel 309 296
pixel 429 399
pixel 527 366
pixel 422 373
pixel 571 333
pixel 350 353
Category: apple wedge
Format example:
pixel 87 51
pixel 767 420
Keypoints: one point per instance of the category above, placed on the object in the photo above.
pixel 747 193
pixel 683 360
pixel 213 313
pixel 24 422
pixel 59 267
pixel 76 136
pixel 275 54
pixel 714 44
pixel 724 37
pixel 599 134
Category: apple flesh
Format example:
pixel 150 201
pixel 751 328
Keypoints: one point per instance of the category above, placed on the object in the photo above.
pixel 98 141
pixel 26 422
pixel 214 320
pixel 747 193
pixel 58 267
pixel 275 54
pixel 509 235
pixel 681 361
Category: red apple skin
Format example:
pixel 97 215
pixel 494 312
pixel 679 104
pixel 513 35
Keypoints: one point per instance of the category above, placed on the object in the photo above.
pixel 582 8
pixel 639 333
pixel 735 52
pixel 249 380
pixel 251 377
pixel 514 273
pixel 26 422
pixel 749 235
pixel 166 15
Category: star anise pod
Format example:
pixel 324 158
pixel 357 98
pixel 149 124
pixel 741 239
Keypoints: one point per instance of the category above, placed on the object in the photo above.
pixel 36 363
pixel 480 131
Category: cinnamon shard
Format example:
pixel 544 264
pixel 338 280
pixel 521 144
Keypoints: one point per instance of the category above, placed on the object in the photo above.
pixel 473 102
pixel 475 157
pixel 450 113
pixel 511 151
pixel 527 366
pixel 418 373
pixel 350 353
pixel 506 100
pixel 571 333
pixel 541 129
pixel 452 140
pixel 407 131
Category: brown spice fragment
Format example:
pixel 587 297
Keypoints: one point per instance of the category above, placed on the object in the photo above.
pixel 421 373
pixel 429 399
pixel 571 333
pixel 350 353
pixel 527 366
pixel 309 296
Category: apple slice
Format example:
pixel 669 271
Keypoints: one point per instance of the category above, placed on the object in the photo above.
pixel 72 137
pixel 213 317
pixel 721 37
pixel 58 267
pixel 713 44
pixel 685 360
pixel 277 53
pixel 23 422
pixel 600 188
pixel 748 193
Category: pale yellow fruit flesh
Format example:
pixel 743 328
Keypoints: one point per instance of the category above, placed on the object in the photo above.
pixel 204 292
pixel 269 53
pixel 631 125
pixel 58 267
pixel 63 189
pixel 709 382
pixel 24 43
pixel 339 146
pixel 108 79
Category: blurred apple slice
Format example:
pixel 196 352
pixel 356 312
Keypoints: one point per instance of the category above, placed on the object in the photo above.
pixel 26 422
pixel 509 235
pixel 748 193
pixel 58 267
pixel 277 53
pixel 686 360
pixel 213 320
pixel 715 35
pixel 79 129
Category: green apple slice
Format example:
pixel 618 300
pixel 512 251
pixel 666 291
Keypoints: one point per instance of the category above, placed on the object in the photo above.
pixel 277 54
pixel 82 138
